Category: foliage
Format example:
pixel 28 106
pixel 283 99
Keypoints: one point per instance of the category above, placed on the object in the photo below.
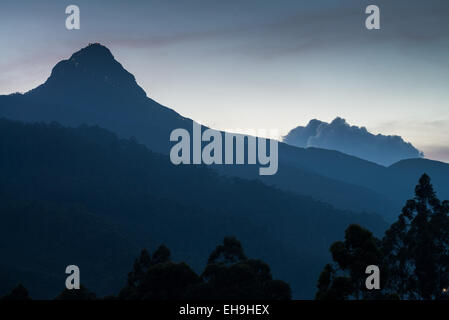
pixel 413 256
pixel 346 279
pixel 417 246
pixel 18 293
pixel 228 275
pixel 100 198
pixel 76 294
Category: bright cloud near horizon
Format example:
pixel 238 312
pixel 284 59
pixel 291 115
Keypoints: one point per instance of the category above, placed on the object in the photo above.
pixel 256 64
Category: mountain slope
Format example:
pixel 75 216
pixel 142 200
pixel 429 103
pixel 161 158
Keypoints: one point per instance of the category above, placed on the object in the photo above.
pixel 151 201
pixel 411 169
pixel 40 239
pixel 91 87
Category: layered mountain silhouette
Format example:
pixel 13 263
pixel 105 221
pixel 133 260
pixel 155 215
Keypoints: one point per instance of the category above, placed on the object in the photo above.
pixel 82 196
pixel 357 141
pixel 91 87
pixel 131 191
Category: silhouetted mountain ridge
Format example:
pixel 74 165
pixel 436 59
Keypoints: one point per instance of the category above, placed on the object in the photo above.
pixel 93 88
pixel 78 93
pixel 150 201
pixel 91 68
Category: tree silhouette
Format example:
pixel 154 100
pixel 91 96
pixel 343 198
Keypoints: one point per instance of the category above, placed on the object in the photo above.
pixel 346 278
pixel 167 281
pixel 18 293
pixel 413 256
pixel 231 251
pixel 229 274
pixel 141 268
pixel 417 246
pixel 76 294
pixel 161 255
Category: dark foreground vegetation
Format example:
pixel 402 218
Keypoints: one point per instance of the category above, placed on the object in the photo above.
pixel 229 275
pixel 413 256
pixel 82 196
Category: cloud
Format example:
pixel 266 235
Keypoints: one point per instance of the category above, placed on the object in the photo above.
pixel 156 41
pixel 440 153
pixel 357 141
pixel 404 23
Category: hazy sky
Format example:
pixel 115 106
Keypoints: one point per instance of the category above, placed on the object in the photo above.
pixel 256 64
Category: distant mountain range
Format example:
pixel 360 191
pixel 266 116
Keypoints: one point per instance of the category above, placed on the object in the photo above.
pixel 357 141
pixel 132 191
pixel 82 196
pixel 91 87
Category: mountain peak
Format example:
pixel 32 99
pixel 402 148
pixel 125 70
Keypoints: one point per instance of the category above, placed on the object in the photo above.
pixel 93 68
pixel 93 51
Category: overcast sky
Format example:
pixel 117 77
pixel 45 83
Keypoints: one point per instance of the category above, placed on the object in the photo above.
pixel 256 64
